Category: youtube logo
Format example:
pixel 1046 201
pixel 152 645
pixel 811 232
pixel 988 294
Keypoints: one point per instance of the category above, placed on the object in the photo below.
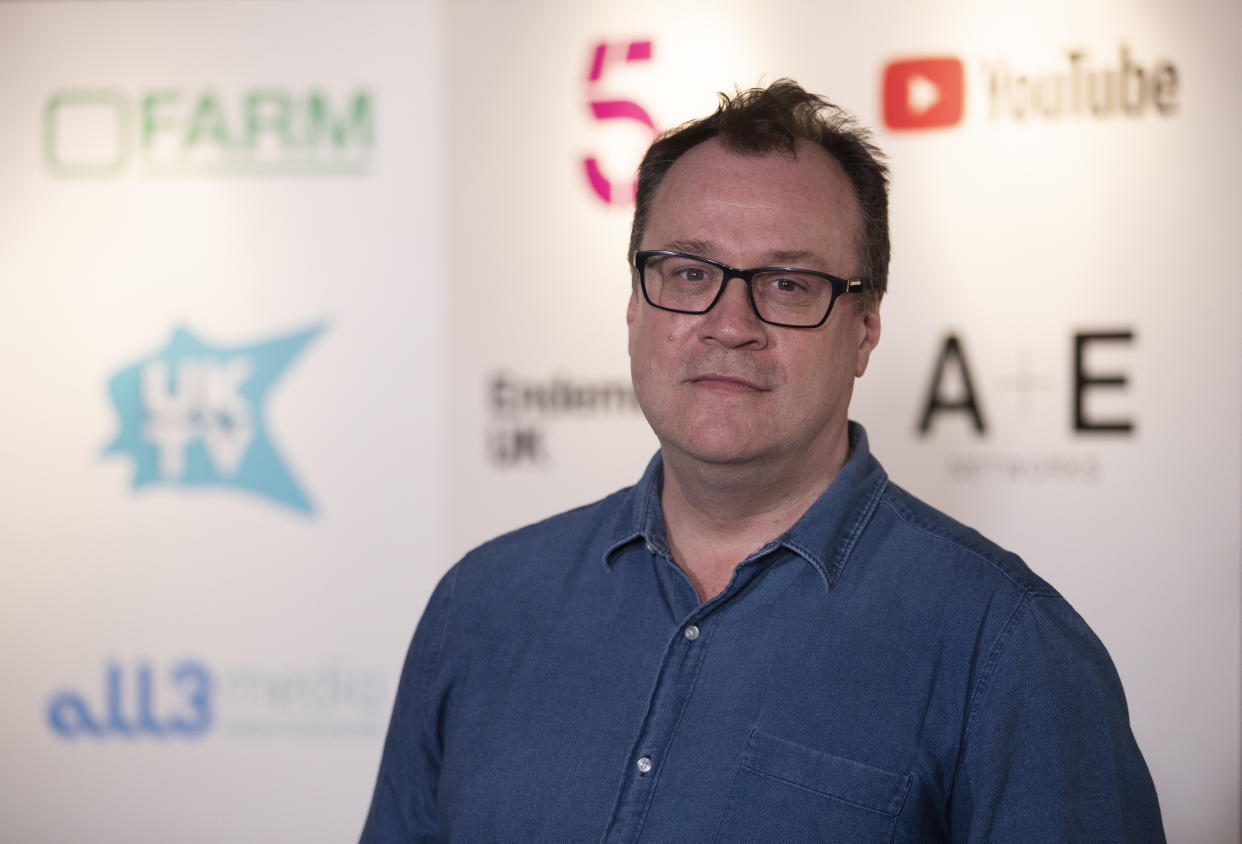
pixel 923 93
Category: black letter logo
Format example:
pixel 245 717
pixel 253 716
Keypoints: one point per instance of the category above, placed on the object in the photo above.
pixel 1084 380
pixel 935 402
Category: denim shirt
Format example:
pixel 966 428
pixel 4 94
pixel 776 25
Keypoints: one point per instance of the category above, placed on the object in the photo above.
pixel 877 673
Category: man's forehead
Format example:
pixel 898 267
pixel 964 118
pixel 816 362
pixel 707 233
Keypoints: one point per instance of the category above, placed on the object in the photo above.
pixel 786 209
pixel 807 161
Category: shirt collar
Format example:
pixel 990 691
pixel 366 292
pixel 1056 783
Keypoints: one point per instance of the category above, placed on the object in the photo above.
pixel 640 516
pixel 824 536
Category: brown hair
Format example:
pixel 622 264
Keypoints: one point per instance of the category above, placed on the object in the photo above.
pixel 761 121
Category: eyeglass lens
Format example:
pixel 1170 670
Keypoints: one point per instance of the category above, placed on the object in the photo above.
pixel 685 284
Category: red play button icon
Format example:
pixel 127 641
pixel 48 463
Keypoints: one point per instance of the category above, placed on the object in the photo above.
pixel 923 93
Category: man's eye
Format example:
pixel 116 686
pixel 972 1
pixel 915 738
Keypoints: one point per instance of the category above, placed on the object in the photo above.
pixel 787 284
pixel 692 274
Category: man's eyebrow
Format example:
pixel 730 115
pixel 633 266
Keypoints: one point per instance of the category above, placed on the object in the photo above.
pixel 694 247
pixel 791 257
pixel 779 257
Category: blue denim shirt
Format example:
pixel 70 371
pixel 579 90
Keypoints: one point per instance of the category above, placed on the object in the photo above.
pixel 877 673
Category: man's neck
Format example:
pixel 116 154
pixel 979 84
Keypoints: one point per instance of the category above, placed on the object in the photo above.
pixel 716 515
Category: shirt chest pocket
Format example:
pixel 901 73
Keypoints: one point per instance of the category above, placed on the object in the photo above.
pixel 784 792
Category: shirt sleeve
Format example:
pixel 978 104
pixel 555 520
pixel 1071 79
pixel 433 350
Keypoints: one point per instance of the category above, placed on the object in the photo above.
pixel 1048 753
pixel 403 807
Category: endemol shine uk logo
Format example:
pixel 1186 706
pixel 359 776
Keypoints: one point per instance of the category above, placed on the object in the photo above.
pixel 521 408
pixel 930 92
pixel 192 415
pixel 190 699
pixel 184 133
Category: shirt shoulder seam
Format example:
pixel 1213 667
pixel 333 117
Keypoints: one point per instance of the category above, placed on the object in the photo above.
pixel 434 663
pixel 908 518
pixel 1019 615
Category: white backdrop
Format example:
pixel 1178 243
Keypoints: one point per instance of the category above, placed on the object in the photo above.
pixel 207 650
pixel 270 631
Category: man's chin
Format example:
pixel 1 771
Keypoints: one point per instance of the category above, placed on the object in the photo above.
pixel 714 450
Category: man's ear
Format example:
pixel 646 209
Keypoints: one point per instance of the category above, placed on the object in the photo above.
pixel 631 310
pixel 868 338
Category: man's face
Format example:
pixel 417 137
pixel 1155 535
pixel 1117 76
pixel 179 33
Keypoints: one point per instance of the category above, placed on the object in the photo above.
pixel 724 387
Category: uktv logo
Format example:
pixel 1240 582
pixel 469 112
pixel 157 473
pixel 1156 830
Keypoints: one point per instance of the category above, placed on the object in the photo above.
pixel 192 415
pixel 177 132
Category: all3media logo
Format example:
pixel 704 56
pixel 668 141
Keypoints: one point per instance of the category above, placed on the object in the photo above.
pixel 192 415
pixel 139 702
pixel 193 699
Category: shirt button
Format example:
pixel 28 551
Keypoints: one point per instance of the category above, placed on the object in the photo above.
pixel 644 765
pixel 692 632
pixel 650 548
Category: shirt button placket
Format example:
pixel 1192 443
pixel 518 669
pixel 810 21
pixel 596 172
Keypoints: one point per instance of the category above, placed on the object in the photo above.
pixel 677 674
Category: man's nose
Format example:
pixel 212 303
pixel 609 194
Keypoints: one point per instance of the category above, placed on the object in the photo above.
pixel 732 321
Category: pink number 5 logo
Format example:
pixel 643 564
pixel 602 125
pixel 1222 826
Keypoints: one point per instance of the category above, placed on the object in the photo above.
pixel 634 51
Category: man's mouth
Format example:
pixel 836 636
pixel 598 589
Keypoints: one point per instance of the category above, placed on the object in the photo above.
pixel 727 383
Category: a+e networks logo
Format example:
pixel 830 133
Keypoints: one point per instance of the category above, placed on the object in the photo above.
pixel 192 415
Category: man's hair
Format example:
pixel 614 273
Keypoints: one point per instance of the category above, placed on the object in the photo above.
pixel 761 121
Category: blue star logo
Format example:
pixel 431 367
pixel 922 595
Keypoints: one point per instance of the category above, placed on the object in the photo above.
pixel 192 415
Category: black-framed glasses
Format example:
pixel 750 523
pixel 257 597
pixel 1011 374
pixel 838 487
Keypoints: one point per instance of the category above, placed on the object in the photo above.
pixel 785 296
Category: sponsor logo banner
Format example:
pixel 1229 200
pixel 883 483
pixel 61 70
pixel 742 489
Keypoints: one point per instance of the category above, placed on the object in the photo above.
pixel 1096 405
pixel 925 93
pixel 189 700
pixel 192 415
pixel 519 409
pixel 930 92
pixel 611 107
pixel 192 133
pixel 1082 86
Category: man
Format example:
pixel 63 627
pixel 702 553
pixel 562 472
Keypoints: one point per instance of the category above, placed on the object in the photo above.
pixel 765 639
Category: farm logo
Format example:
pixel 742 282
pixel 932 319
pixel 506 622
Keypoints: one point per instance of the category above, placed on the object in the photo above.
pixel 168 132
